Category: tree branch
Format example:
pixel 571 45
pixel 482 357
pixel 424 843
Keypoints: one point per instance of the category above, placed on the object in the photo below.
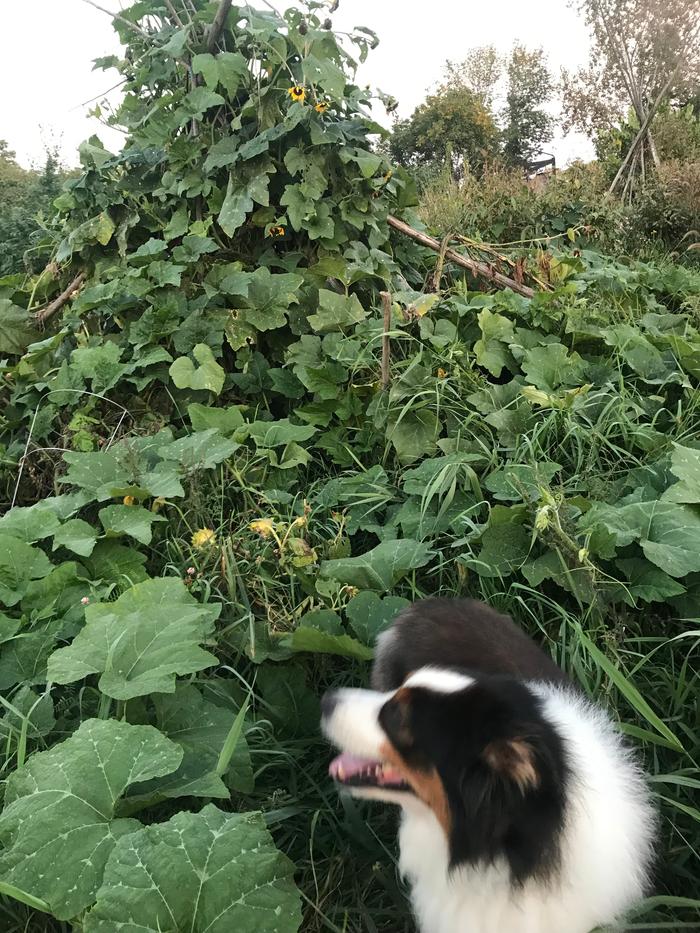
pixel 121 19
pixel 479 269
pixel 48 312
pixel 217 26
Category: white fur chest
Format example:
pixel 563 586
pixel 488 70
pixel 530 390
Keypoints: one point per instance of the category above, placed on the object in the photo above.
pixel 477 900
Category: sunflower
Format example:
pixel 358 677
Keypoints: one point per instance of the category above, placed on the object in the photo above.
pixel 203 538
pixel 321 106
pixel 297 92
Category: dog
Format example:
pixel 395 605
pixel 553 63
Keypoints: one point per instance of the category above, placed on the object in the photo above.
pixel 522 809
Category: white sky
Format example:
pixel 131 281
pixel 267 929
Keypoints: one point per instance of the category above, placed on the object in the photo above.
pixel 47 48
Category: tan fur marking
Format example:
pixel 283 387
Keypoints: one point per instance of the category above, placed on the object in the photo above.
pixel 513 758
pixel 426 784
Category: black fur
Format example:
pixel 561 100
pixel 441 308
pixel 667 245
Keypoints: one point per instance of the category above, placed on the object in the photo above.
pixel 462 634
pixel 492 813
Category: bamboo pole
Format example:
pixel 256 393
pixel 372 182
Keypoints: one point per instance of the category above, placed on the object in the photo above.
pixel 479 269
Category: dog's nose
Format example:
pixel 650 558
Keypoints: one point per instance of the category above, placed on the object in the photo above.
pixel 329 701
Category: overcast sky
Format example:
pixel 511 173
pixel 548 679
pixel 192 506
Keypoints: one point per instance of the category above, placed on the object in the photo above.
pixel 47 48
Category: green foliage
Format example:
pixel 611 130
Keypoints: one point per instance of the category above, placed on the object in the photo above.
pixel 452 128
pixel 25 206
pixel 527 125
pixel 218 506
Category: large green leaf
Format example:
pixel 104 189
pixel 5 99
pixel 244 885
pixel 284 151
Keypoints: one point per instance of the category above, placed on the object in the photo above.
pixel 225 420
pixel 669 534
pixel 269 298
pixel 19 563
pixel 685 464
pixel 553 366
pixel 369 614
pixel 208 374
pixel 241 197
pixel 17 328
pixel 139 643
pixel 316 641
pixel 505 544
pixel 132 520
pixel 381 568
pixel 496 333
pixel 336 312
pixel 31 523
pixel 414 434
pixel 23 658
pixel 60 819
pixel 76 535
pixel 201 450
pixel 206 872
pixel 200 728
pixel 278 433
pixel 641 355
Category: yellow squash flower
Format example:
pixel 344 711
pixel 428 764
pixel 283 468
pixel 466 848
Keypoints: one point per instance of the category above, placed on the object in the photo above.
pixel 129 500
pixel 297 92
pixel 263 527
pixel 203 538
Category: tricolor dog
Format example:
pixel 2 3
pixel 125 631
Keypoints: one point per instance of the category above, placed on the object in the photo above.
pixel 521 809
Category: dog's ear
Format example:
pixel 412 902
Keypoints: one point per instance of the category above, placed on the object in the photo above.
pixel 395 719
pixel 514 760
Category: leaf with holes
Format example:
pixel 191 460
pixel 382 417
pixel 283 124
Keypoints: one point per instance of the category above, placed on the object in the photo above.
pixel 141 642
pixel 206 872
pixel 60 821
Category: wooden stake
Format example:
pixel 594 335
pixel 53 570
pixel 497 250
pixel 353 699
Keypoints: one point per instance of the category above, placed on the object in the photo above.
pixel 43 316
pixel 386 358
pixel 480 269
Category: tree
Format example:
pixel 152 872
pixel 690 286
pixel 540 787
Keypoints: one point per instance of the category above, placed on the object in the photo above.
pixel 480 72
pixel 25 195
pixel 527 126
pixel 644 52
pixel 452 128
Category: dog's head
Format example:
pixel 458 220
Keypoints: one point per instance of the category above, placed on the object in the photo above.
pixel 477 751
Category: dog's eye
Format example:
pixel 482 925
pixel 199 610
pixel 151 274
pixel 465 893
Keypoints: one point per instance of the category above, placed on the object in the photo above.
pixel 395 719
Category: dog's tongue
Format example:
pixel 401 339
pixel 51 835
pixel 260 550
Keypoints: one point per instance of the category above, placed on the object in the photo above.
pixel 347 766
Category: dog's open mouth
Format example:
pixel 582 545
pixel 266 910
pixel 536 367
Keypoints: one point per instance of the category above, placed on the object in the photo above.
pixel 353 771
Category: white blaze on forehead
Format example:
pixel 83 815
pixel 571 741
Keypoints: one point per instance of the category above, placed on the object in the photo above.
pixel 439 680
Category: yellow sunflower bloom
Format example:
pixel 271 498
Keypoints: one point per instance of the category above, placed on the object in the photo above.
pixel 203 538
pixel 321 106
pixel 263 527
pixel 298 93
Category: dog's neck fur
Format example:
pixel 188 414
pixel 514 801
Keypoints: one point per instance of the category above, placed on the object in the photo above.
pixel 594 877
